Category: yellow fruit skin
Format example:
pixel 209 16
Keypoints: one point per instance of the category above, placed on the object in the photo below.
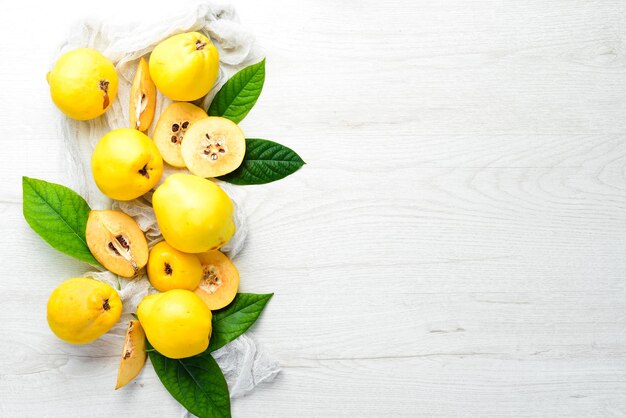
pixel 77 310
pixel 194 214
pixel 75 83
pixel 180 70
pixel 126 164
pixel 185 270
pixel 177 323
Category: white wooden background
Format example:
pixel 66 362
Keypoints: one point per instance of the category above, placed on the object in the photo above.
pixel 455 246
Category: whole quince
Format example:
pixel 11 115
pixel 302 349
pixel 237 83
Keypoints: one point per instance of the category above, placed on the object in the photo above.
pixel 83 83
pixel 126 164
pixel 184 67
pixel 177 323
pixel 81 310
pixel 194 214
pixel 170 269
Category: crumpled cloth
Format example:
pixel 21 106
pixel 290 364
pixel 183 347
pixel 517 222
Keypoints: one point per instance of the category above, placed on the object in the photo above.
pixel 244 363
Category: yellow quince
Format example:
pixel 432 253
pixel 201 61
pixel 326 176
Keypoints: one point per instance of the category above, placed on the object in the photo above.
pixel 177 323
pixel 126 164
pixel 170 269
pixel 83 83
pixel 81 310
pixel 184 67
pixel 195 215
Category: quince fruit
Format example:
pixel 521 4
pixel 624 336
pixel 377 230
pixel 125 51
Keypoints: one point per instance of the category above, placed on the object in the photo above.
pixel 220 280
pixel 184 67
pixel 117 242
pixel 194 214
pixel 213 146
pixel 142 98
pixel 83 83
pixel 126 164
pixel 81 310
pixel 171 129
pixel 177 323
pixel 170 269
pixel 133 354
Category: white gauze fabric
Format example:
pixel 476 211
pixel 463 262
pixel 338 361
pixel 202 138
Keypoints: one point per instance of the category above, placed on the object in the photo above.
pixel 244 363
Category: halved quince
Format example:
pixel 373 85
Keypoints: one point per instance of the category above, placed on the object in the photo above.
pixel 133 354
pixel 117 242
pixel 142 98
pixel 171 129
pixel 213 146
pixel 220 280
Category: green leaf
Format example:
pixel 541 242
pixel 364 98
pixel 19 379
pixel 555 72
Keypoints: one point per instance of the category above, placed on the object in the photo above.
pixel 239 94
pixel 59 215
pixel 196 382
pixel 235 319
pixel 264 162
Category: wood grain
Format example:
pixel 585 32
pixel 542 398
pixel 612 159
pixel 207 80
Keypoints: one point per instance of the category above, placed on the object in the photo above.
pixel 453 247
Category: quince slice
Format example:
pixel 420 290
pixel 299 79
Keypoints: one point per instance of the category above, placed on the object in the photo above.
pixel 171 129
pixel 133 354
pixel 213 146
pixel 117 242
pixel 142 98
pixel 220 281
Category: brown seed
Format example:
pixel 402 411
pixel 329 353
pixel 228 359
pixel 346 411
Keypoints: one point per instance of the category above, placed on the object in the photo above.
pixel 122 241
pixel 175 127
pixel 174 139
pixel 185 124
pixel 112 248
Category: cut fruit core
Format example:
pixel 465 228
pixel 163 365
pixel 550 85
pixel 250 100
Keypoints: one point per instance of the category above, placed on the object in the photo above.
pixel 119 246
pixel 140 107
pixel 214 147
pixel 211 282
pixel 178 132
